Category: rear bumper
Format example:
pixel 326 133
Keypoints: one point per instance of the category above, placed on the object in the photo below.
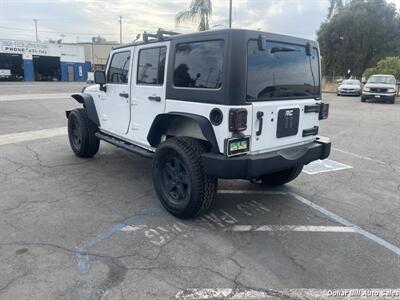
pixel 252 166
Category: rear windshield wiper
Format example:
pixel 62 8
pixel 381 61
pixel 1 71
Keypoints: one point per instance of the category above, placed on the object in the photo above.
pixel 283 49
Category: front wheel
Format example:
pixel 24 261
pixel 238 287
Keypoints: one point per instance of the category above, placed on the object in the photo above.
pixel 81 134
pixel 179 178
pixel 281 177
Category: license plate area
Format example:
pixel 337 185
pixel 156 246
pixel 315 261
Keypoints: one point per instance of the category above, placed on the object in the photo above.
pixel 236 146
pixel 288 122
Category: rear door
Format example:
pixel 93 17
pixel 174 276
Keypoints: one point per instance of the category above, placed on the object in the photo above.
pixel 148 89
pixel 283 86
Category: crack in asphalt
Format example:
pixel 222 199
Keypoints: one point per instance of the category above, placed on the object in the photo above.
pixel 12 281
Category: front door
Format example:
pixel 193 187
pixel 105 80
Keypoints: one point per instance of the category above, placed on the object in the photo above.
pixel 115 102
pixel 148 95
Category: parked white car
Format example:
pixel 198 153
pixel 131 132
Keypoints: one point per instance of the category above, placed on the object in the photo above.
pixel 349 87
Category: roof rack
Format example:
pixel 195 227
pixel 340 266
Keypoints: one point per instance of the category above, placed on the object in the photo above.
pixel 160 35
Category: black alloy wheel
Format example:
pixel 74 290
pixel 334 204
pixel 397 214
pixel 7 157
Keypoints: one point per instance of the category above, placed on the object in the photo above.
pixel 175 180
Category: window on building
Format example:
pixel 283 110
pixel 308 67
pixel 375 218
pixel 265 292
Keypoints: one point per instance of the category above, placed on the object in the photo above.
pixel 199 64
pixel 119 68
pixel 151 66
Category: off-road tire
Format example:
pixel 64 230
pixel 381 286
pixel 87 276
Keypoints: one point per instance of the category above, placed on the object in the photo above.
pixel 281 177
pixel 81 134
pixel 202 187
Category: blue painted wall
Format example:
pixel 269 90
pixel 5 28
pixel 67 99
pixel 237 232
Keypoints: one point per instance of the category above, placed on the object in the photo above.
pixel 77 77
pixel 28 70
pixel 86 66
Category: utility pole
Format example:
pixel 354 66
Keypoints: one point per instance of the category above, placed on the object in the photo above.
pixel 230 13
pixel 120 29
pixel 36 20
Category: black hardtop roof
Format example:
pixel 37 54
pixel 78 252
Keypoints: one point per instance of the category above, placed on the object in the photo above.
pixel 244 32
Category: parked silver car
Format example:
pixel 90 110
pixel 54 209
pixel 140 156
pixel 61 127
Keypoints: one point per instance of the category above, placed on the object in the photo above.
pixel 349 87
pixel 380 87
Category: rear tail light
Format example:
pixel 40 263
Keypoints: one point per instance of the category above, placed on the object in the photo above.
pixel 237 120
pixel 324 111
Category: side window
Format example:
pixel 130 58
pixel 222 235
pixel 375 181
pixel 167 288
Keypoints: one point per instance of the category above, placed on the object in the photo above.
pixel 151 66
pixel 199 64
pixel 119 68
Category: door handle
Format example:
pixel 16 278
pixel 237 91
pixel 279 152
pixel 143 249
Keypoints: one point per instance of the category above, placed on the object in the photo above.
pixel 124 95
pixel 154 98
pixel 260 115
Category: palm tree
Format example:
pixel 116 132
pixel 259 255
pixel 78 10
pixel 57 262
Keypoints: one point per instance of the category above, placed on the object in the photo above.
pixel 199 11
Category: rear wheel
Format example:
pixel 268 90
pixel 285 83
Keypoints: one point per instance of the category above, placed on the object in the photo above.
pixel 182 185
pixel 81 134
pixel 281 177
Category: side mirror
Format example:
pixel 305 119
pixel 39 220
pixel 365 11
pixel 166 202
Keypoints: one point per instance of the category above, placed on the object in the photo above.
pixel 100 78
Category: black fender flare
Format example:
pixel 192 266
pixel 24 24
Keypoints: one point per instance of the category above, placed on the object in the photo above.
pixel 88 104
pixel 162 121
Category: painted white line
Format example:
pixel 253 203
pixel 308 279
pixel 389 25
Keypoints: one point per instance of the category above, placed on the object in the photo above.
pixel 249 294
pixel 323 166
pixel 25 136
pixel 294 228
pixel 345 222
pixel 265 228
pixel 130 228
pixel 251 192
pixel 364 157
pixel 342 221
pixel 24 97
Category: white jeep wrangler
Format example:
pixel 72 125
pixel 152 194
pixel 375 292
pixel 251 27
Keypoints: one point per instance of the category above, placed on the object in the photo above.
pixel 217 104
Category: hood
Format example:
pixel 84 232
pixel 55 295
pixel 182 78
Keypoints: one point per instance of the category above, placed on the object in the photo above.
pixel 92 88
pixel 349 86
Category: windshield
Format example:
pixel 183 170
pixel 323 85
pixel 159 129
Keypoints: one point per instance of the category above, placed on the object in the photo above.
pixel 351 82
pixel 381 79
pixel 281 71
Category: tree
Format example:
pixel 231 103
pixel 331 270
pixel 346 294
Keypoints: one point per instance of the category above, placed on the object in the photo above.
pixel 334 6
pixel 199 11
pixel 388 65
pixel 358 35
pixel 98 39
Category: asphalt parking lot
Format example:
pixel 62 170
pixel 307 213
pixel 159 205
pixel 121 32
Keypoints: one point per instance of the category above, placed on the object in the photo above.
pixel 93 229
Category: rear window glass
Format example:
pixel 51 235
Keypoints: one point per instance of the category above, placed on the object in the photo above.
pixel 199 64
pixel 151 66
pixel 281 71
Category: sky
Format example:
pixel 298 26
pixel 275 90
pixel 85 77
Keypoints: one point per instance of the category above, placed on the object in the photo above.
pixel 79 20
